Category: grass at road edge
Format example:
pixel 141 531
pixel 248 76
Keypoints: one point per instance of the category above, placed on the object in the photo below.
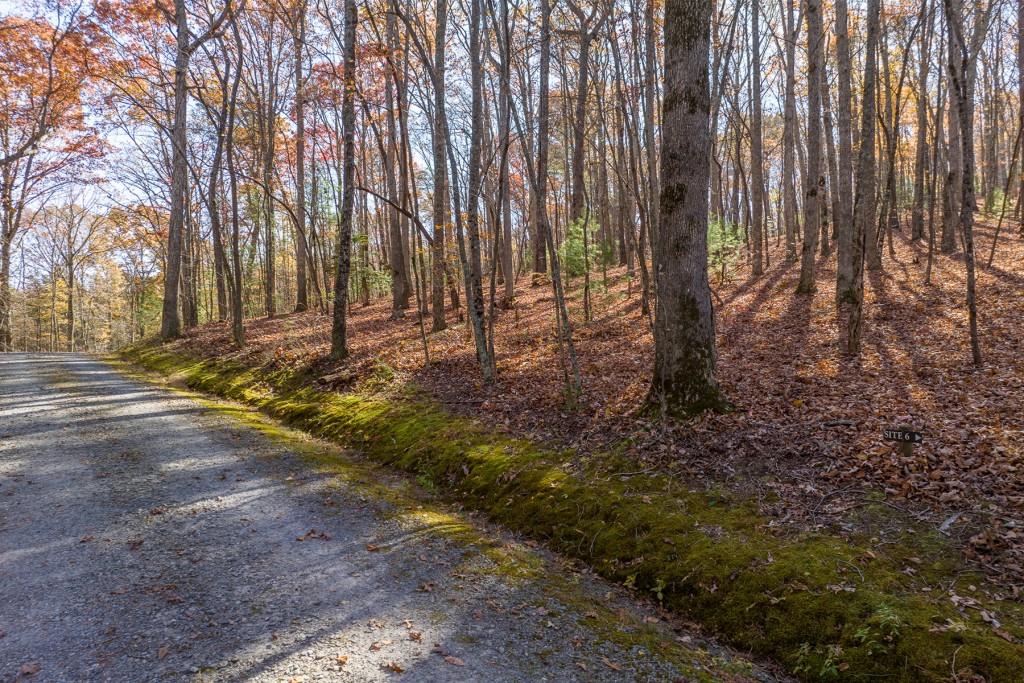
pixel 825 608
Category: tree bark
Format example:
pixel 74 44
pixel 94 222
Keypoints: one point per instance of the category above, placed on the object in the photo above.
pixel 961 68
pixel 815 178
pixel 921 148
pixel 440 199
pixel 865 200
pixel 684 329
pixel 756 144
pixel 789 204
pixel 301 248
pixel 844 184
pixel 339 330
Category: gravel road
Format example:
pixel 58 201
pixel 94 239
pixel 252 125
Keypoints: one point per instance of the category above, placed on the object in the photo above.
pixel 145 536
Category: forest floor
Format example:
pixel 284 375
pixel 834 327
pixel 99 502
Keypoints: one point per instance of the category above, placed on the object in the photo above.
pixel 805 442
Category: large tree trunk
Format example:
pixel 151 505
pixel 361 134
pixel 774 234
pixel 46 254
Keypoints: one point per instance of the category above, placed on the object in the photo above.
pixel 815 179
pixel 170 321
pixel 684 329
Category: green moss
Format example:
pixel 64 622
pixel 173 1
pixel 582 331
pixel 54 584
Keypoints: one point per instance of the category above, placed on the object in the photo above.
pixel 822 606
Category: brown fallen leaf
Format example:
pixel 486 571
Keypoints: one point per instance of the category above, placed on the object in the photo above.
pixel 163 652
pixel 610 664
pixel 372 548
pixel 454 661
pixel 415 636
pixel 30 668
pixel 86 539
pixel 342 660
pixel 1004 635
pixel 394 667
pixel 427 587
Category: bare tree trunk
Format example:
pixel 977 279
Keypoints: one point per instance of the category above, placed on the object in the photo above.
pixel 954 177
pixel 789 133
pixel 237 325
pixel 756 143
pixel 70 312
pixel 864 201
pixel 921 150
pixel 815 178
pixel 844 184
pixel 650 105
pixel 440 199
pixel 299 39
pixel 339 331
pixel 504 122
pixel 961 58
pixel 1020 102
pixel 471 258
pixel 684 329
pixel 6 341
pixel 170 321
pixel 587 33
pixel 828 129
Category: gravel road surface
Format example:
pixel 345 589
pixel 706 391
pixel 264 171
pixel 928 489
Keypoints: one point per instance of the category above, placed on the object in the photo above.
pixel 145 536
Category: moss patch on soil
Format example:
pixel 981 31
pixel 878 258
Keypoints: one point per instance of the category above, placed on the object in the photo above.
pixel 824 607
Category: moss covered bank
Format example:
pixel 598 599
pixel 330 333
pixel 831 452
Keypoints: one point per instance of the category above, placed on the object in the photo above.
pixel 826 608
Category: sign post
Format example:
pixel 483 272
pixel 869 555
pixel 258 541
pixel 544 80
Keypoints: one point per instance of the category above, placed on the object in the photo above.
pixel 905 436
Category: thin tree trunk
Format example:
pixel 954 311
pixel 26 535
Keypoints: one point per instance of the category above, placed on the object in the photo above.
pixel 756 150
pixel 440 199
pixel 339 330
pixel 921 150
pixel 844 184
pixel 815 178
pixel 301 248
pixel 864 200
